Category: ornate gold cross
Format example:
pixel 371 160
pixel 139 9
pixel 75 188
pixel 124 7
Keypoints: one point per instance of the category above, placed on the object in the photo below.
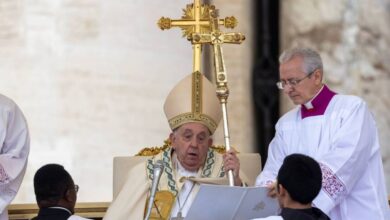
pixel 196 25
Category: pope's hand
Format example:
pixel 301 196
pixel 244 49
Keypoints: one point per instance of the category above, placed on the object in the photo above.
pixel 231 162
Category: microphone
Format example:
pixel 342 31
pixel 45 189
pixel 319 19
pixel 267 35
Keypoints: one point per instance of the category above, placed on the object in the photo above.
pixel 158 168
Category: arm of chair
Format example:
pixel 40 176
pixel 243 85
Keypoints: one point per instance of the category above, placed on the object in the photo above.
pixel 250 164
pixel 122 166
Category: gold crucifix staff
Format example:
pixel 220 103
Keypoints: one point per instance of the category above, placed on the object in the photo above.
pixel 216 38
pixel 195 20
pixel 200 24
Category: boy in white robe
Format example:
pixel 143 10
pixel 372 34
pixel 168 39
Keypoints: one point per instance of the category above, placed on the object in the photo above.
pixel 338 131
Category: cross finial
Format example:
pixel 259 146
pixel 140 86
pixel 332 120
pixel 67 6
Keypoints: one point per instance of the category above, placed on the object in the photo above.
pixel 196 25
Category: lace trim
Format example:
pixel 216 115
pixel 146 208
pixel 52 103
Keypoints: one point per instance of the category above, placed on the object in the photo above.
pixel 331 184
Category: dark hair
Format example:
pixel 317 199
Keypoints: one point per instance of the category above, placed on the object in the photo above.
pixel 51 182
pixel 301 176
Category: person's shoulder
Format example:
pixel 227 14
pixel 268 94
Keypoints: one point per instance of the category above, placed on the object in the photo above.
pixel 288 117
pixel 292 113
pixel 348 98
pixel 7 105
pixel 6 102
pixel 348 101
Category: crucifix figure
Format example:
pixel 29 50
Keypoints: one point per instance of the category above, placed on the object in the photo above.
pixel 200 24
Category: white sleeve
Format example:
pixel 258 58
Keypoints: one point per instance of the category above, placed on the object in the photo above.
pixel 15 140
pixel 351 147
pixel 275 159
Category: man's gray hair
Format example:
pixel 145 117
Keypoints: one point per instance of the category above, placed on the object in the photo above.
pixel 311 59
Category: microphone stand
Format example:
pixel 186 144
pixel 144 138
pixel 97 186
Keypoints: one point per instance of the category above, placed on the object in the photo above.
pixel 158 168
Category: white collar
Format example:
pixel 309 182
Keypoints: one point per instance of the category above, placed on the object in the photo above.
pixel 58 207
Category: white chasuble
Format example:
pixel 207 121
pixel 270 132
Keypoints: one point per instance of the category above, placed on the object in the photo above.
pixel 131 200
pixel 184 190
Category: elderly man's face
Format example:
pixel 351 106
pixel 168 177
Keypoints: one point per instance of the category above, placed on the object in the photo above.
pixel 191 142
pixel 306 88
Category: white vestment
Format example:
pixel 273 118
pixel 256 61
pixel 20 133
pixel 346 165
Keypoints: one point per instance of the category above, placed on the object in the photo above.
pixel 187 193
pixel 15 145
pixel 344 140
pixel 130 202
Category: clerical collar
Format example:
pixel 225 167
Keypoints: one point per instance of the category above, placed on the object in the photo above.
pixel 309 104
pixel 58 207
pixel 318 104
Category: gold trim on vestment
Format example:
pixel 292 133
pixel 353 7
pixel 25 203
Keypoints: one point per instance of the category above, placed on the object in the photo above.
pixel 162 207
pixel 170 179
pixel 151 151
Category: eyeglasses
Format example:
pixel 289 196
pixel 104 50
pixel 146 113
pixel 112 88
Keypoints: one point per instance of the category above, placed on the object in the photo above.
pixel 291 82
pixel 75 188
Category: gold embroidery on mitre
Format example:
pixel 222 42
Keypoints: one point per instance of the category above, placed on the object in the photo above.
pixel 197 100
pixel 179 120
pixel 163 202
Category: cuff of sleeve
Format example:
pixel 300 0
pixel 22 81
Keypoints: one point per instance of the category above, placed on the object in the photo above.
pixel 324 202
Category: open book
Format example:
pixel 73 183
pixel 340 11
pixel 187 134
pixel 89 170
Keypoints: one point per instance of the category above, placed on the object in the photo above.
pixel 232 203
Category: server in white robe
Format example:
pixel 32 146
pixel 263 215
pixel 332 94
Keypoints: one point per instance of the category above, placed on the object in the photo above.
pixel 15 145
pixel 338 131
